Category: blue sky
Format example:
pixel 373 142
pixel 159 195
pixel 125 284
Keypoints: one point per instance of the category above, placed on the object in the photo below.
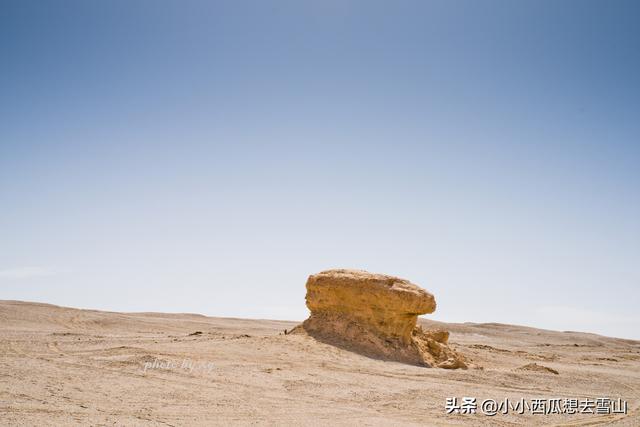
pixel 208 156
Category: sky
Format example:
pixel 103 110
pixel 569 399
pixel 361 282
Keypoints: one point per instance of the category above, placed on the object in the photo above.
pixel 207 156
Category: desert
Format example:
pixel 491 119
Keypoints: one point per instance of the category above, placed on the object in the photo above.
pixel 65 366
pixel 319 213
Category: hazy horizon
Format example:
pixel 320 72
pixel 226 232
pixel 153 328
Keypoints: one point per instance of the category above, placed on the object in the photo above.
pixel 207 157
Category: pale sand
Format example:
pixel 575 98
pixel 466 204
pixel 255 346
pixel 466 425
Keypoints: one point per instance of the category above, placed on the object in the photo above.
pixel 61 366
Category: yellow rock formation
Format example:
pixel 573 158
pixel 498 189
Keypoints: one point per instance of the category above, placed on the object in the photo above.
pixel 376 315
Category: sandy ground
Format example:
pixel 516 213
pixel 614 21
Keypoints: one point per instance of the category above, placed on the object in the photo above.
pixel 62 366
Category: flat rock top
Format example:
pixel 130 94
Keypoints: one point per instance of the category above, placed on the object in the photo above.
pixel 352 274
pixel 347 276
pixel 393 293
pixel 359 275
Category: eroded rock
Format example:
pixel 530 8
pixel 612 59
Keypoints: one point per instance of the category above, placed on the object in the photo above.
pixel 376 315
